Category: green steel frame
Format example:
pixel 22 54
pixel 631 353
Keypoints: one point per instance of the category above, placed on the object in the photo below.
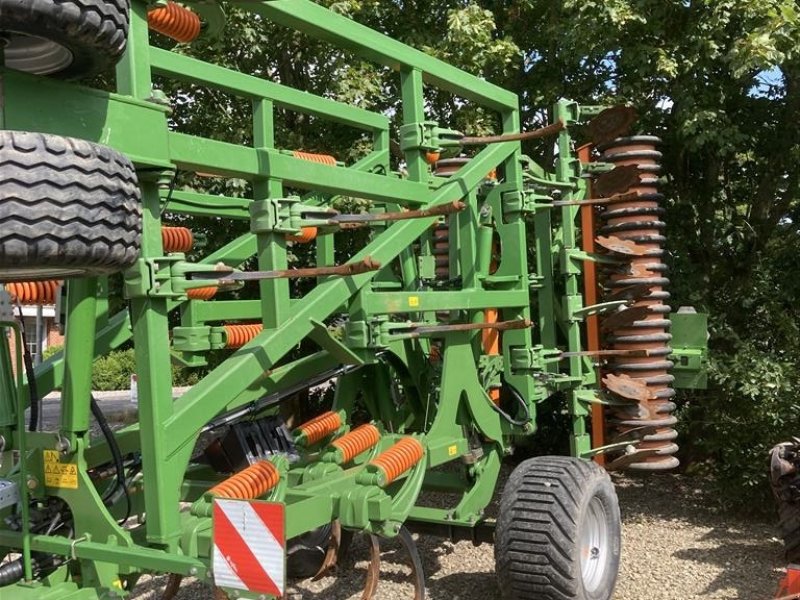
pixel 445 405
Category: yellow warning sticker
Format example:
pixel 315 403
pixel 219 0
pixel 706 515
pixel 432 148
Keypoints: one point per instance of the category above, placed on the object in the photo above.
pixel 413 301
pixel 58 474
pixel 452 450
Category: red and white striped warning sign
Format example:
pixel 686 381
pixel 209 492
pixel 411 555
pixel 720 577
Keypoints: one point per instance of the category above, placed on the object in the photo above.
pixel 249 546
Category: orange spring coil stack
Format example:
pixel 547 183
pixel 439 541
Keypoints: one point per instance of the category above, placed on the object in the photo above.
pixel 252 482
pixel 325 159
pixel 238 335
pixel 398 459
pixel 177 239
pixel 320 426
pixel 357 441
pixel 33 292
pixel 203 293
pixel 175 22
pixel 307 234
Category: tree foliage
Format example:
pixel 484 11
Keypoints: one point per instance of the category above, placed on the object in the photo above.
pixel 719 80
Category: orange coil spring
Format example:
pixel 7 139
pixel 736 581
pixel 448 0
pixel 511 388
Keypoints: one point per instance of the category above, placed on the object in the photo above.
pixel 33 292
pixel 175 21
pixel 320 426
pixel 307 234
pixel 203 293
pixel 357 441
pixel 177 239
pixel 398 459
pixel 252 482
pixel 237 336
pixel 325 159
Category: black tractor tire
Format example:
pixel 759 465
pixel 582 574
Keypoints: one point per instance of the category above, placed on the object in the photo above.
pixel 67 38
pixel 68 208
pixel 558 515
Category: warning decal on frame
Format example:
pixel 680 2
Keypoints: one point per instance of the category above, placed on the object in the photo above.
pixel 58 474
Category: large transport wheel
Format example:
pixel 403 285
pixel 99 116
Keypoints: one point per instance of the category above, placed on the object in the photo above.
pixel 69 38
pixel 68 208
pixel 558 532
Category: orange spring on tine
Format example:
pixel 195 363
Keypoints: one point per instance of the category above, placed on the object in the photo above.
pixel 203 293
pixel 252 482
pixel 325 159
pixel 33 292
pixel 398 459
pixel 175 22
pixel 320 426
pixel 177 239
pixel 357 441
pixel 307 234
pixel 238 335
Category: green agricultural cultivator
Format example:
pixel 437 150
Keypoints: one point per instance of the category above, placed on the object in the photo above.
pixel 488 284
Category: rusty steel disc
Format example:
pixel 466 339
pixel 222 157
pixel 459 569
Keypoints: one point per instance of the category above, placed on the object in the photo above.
pixel 620 246
pixel 627 387
pixel 624 318
pixel 612 123
pixel 617 181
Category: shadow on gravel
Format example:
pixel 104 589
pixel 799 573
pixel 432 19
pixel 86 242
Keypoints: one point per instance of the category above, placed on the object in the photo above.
pixel 737 560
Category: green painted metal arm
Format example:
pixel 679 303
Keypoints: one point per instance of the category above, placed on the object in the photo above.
pixel 253 361
pixel 315 20
pixel 192 70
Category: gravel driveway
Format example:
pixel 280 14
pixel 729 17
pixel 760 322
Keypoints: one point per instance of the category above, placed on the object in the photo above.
pixel 674 548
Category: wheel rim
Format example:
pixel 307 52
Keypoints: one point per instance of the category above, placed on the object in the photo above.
pixel 595 553
pixel 36 55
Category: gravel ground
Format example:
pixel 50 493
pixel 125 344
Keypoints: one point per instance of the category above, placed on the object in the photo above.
pixel 674 548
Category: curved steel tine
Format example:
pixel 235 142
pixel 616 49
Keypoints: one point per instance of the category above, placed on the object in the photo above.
pixel 172 587
pixel 332 555
pixel 417 570
pixel 219 594
pixel 374 568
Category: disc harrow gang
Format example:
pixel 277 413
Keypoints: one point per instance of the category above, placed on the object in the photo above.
pixel 634 230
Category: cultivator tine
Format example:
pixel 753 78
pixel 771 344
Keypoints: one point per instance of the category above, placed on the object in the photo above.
pixel 629 353
pixel 624 318
pixel 612 123
pixel 219 594
pixel 417 570
pixel 627 387
pixel 172 587
pixel 332 555
pixel 418 331
pixel 374 568
pixel 543 132
pixel 617 181
pixel 627 197
pixel 356 220
pixel 227 275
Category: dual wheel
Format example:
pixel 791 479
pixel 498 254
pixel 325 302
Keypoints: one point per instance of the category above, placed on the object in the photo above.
pixel 558 532
pixel 68 207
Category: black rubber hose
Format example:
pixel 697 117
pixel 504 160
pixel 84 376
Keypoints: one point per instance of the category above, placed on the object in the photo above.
pixel 27 359
pixel 113 447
